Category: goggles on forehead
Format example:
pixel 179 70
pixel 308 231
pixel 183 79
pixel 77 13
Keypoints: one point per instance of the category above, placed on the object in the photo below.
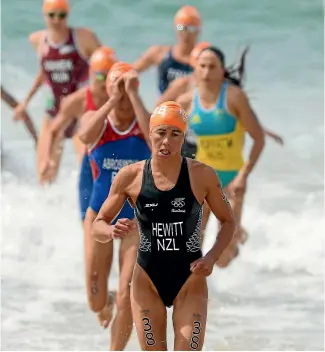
pixel 188 28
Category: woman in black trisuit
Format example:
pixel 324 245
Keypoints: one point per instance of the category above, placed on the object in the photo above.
pixel 167 192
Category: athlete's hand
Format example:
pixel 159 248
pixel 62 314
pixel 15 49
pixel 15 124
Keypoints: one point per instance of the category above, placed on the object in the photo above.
pixel 278 139
pixel 131 80
pixel 122 228
pixel 20 112
pixel 202 266
pixel 238 185
pixel 116 90
pixel 46 166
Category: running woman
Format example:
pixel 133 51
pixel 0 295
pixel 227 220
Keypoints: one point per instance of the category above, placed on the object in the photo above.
pixel 12 102
pixel 184 84
pixel 167 193
pixel 85 99
pixel 173 61
pixel 63 53
pixel 220 115
pixel 115 136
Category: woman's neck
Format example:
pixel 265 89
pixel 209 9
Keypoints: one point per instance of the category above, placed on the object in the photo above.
pixel 122 120
pixel 209 93
pixel 58 36
pixel 166 166
pixel 183 49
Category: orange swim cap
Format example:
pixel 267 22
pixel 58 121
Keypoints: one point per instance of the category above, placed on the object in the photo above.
pixel 117 71
pixel 102 59
pixel 196 52
pixel 55 5
pixel 169 113
pixel 188 15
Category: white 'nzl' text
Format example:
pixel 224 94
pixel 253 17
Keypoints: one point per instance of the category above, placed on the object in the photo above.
pixel 165 234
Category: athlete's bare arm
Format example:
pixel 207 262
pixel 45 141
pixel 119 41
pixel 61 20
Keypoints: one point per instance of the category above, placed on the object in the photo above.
pixel 8 98
pixel 92 122
pixel 186 101
pixel 278 139
pixel 141 113
pixel 87 41
pixel 151 57
pixel 34 39
pixel 12 102
pixel 175 89
pixel 71 107
pixel 220 207
pixel 125 184
pixel 239 104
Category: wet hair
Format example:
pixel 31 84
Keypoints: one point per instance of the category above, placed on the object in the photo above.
pixel 234 73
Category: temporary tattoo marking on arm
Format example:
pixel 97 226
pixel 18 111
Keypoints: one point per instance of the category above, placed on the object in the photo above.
pixel 224 197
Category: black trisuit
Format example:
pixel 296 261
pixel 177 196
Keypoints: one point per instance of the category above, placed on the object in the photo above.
pixel 169 224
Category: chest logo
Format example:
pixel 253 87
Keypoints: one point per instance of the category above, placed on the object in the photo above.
pixel 220 112
pixel 178 202
pixel 151 205
pixel 67 49
pixel 196 119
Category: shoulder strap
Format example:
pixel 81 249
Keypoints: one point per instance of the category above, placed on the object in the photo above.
pixel 184 177
pixel 147 179
pixel 196 101
pixel 222 100
pixel 90 105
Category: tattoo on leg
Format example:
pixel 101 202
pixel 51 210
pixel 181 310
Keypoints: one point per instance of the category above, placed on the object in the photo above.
pixel 194 345
pixel 94 287
pixel 150 341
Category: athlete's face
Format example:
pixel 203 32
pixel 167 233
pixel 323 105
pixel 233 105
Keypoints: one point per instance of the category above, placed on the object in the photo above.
pixel 187 34
pixel 166 141
pixel 209 68
pixel 56 19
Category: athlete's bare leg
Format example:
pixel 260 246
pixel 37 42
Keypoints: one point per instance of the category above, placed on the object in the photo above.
pixel 98 261
pixel 240 236
pixel 56 155
pixel 149 312
pixel 79 148
pixel 190 314
pixel 40 148
pixel 123 321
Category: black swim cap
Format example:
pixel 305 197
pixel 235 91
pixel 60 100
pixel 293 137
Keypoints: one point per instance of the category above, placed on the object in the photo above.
pixel 219 54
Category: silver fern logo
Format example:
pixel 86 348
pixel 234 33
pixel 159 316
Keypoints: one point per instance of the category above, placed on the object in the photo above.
pixel 194 242
pixel 145 244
